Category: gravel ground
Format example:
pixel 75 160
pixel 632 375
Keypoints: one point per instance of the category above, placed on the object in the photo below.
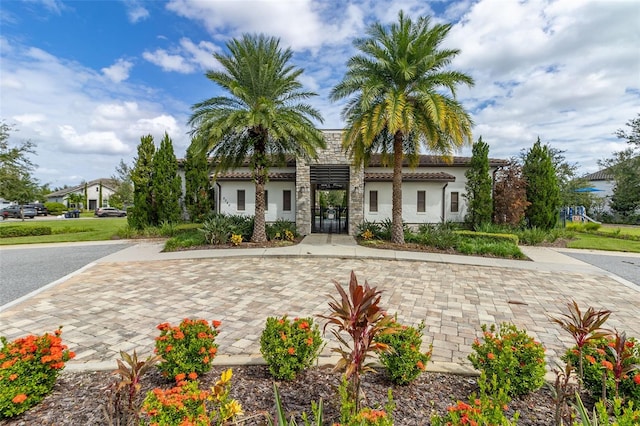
pixel 79 398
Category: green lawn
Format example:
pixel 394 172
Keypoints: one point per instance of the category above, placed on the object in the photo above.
pixel 597 242
pixel 623 229
pixel 67 230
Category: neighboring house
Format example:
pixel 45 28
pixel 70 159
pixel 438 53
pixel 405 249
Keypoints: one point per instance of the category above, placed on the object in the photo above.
pixel 601 185
pixel 432 192
pixel 92 191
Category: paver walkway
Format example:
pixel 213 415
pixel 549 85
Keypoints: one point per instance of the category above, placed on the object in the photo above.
pixel 116 303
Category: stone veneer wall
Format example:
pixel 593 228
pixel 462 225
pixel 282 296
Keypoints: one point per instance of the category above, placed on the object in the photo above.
pixel 333 154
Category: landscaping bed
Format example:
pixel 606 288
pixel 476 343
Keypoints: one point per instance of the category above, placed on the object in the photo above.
pixel 79 398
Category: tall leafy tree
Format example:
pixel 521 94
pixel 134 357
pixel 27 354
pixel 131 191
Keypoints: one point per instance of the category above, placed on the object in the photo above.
pixel 123 193
pixel 142 178
pixel 17 183
pixel 196 176
pixel 478 186
pixel 625 167
pixel 510 195
pixel 543 191
pixel 262 118
pixel 166 184
pixel 399 84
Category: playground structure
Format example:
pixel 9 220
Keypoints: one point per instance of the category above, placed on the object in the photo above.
pixel 575 214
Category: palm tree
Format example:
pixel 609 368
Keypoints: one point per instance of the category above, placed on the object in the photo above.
pixel 262 118
pixel 402 97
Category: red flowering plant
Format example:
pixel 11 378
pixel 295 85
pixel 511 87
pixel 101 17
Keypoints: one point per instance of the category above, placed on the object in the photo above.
pixel 489 408
pixel 405 361
pixel 29 367
pixel 288 346
pixel 187 349
pixel 610 363
pixel 513 356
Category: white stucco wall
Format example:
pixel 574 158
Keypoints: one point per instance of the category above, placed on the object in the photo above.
pixel 229 202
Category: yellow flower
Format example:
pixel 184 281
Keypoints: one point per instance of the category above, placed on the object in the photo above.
pixel 225 377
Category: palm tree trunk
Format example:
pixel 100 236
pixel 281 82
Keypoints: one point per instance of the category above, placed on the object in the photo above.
pixel 259 227
pixel 397 232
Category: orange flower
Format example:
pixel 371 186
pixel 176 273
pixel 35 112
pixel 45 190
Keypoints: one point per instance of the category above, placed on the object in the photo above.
pixel 178 335
pixel 193 375
pixel 606 364
pixel 168 348
pixel 216 323
pixel 304 325
pixel 291 351
pixel 19 398
pixel 490 355
pixel 420 365
pixel 202 335
pixel 309 341
pixel 205 360
pixel 163 326
pixel 283 336
pixel 180 377
pixel 477 401
pixel 13 377
pixel 636 379
pixel 213 351
pixel 591 359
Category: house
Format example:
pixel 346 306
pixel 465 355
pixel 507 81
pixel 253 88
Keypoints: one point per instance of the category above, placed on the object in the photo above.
pixel 432 192
pixel 601 185
pixel 97 193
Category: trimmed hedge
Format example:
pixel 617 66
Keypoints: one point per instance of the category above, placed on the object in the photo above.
pixel 489 236
pixel 23 231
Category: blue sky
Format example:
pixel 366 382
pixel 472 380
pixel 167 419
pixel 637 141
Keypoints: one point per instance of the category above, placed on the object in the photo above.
pixel 85 80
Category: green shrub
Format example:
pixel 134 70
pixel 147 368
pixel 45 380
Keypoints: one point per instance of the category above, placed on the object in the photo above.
pixel 29 367
pixel 532 236
pixel 288 346
pixel 441 237
pixel 598 365
pixel 217 229
pixel 369 230
pixel 486 409
pixel 405 362
pixel 71 230
pixel 188 348
pixel 575 226
pixel 55 208
pixel 282 230
pixel 242 225
pixel 187 404
pixel 512 356
pixel 479 246
pixel 24 231
pixel 591 226
pixel 511 238
pixel 185 239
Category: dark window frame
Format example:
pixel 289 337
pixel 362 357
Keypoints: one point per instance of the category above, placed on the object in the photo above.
pixel 373 201
pixel 286 200
pixel 455 204
pixel 421 202
pixel 241 204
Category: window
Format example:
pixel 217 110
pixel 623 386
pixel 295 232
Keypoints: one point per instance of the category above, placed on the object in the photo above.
pixel 266 200
pixel 240 199
pixel 373 201
pixel 286 200
pixel 421 201
pixel 454 202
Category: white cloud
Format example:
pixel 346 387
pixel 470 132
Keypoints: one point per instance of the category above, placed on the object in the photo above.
pixel 92 142
pixel 298 24
pixel 119 71
pixel 135 11
pixel 185 58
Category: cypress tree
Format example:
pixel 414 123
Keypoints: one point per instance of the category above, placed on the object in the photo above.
pixel 196 176
pixel 166 184
pixel 478 186
pixel 141 176
pixel 543 191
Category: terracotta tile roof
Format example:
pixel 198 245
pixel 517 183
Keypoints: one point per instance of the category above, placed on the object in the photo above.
pixel 436 160
pixel 244 176
pixel 410 177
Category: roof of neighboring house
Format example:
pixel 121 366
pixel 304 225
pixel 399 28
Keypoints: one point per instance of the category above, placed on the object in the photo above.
pixel 106 183
pixel 410 177
pixel 600 175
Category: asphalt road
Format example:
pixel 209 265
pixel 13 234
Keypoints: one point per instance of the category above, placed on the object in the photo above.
pixel 626 267
pixel 25 269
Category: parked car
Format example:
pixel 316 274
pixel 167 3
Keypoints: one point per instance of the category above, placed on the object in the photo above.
pixel 110 211
pixel 40 208
pixel 14 211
